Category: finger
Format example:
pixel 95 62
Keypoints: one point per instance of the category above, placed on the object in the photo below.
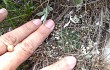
pixel 17 35
pixel 3 14
pixel 24 50
pixel 68 63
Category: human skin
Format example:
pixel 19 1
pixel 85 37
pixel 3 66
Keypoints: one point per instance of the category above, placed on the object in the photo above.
pixel 25 40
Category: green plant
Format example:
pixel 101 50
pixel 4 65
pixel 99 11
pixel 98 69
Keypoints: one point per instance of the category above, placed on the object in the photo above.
pixel 78 2
pixel 17 12
pixel 45 13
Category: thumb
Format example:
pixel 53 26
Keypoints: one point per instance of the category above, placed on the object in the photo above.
pixel 3 14
pixel 67 63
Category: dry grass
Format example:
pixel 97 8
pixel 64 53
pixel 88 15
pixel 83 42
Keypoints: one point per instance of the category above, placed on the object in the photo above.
pixel 84 37
pixel 85 40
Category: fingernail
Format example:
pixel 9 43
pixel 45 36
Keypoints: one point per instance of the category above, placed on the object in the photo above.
pixel 71 61
pixel 49 24
pixel 37 22
pixel 3 10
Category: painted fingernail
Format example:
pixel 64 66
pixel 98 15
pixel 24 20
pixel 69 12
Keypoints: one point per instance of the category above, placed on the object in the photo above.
pixel 37 22
pixel 71 61
pixel 3 10
pixel 49 24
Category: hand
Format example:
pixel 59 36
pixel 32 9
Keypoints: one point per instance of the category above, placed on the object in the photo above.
pixel 23 41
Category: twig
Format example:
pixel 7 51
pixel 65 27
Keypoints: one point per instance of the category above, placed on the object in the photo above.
pixel 62 14
pixel 101 23
pixel 82 4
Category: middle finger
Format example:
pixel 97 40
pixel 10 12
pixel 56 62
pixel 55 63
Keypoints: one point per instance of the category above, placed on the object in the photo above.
pixel 17 35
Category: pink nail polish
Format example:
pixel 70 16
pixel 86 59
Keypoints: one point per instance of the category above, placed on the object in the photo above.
pixel 37 21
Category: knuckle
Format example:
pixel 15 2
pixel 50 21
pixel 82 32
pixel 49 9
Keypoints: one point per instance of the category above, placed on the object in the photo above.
pixel 26 27
pixel 42 35
pixel 27 47
pixel 41 38
pixel 9 38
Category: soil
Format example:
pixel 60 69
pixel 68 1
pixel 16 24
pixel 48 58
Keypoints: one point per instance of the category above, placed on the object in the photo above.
pixel 84 39
pixel 81 31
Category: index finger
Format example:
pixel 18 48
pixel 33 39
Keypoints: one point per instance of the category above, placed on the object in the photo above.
pixel 29 45
pixel 17 35
pixel 24 50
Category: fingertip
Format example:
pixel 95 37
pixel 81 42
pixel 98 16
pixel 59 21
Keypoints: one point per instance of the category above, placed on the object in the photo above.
pixel 50 24
pixel 67 63
pixel 3 10
pixel 71 61
pixel 37 21
pixel 3 14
